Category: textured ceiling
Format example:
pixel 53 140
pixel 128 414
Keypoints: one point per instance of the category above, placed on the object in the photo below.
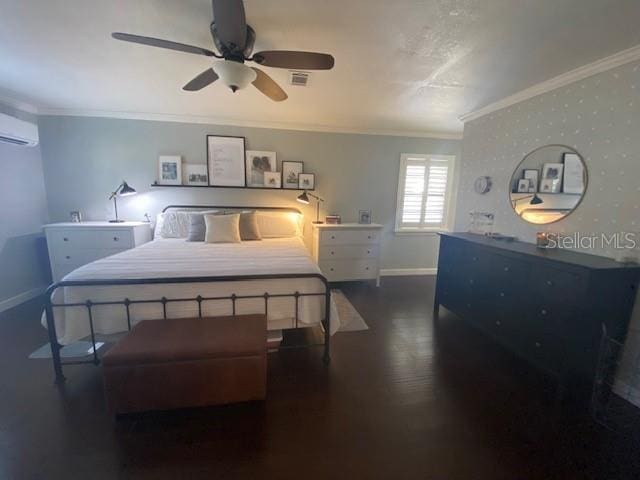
pixel 412 66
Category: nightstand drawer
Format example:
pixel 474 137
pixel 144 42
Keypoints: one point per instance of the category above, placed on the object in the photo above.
pixel 348 251
pixel 95 239
pixel 349 237
pixel 68 256
pixel 349 269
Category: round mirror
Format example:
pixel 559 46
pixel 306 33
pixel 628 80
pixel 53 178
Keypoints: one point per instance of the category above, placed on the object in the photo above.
pixel 548 184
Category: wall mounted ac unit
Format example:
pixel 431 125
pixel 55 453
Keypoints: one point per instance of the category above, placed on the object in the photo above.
pixel 18 132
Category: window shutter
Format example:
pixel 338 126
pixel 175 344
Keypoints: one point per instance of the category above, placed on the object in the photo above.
pixel 423 192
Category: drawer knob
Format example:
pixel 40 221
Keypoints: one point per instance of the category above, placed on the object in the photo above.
pixel 502 294
pixel 506 269
pixel 65 239
pixel 550 283
pixel 543 311
pixel 333 237
pixel 468 305
pixel 331 253
pixel 537 344
pixel 368 252
pixel 366 268
pixel 475 259
pixel 498 322
pixel 115 239
pixel 471 281
pixel 331 269
pixel 67 257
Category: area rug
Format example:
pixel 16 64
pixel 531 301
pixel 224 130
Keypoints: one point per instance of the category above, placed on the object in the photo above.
pixel 350 319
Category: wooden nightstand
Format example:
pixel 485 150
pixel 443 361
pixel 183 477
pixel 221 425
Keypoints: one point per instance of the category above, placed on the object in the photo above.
pixel 349 251
pixel 72 245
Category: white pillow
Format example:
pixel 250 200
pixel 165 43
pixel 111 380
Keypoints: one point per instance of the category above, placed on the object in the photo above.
pixel 280 224
pixel 175 224
pixel 222 228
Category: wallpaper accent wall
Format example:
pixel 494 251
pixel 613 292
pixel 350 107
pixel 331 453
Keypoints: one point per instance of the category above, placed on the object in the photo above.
pixel 600 118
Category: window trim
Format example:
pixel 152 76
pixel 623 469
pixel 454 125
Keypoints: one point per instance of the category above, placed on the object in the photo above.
pixel 449 206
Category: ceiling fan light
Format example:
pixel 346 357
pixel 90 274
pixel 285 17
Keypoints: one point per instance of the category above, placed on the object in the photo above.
pixel 234 75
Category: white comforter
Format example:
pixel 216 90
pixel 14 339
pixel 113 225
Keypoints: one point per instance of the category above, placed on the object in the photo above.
pixel 178 258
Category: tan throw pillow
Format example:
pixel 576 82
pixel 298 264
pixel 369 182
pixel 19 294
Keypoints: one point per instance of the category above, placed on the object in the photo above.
pixel 249 229
pixel 222 228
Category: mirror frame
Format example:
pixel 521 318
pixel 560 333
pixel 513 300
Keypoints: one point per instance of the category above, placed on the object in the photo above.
pixel 584 193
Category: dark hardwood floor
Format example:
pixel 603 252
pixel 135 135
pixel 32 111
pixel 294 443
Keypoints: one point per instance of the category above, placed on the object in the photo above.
pixel 406 399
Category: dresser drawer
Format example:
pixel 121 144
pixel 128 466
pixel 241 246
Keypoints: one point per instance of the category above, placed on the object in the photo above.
pixel 79 238
pixel 348 251
pixel 555 285
pixel 349 237
pixel 68 256
pixel 507 274
pixel 349 269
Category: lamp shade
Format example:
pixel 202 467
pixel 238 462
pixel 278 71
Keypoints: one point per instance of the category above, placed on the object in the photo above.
pixel 234 75
pixel 303 198
pixel 536 200
pixel 126 190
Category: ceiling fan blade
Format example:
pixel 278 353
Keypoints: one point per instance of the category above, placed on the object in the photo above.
pixel 230 23
pixel 294 60
pixel 268 86
pixel 205 78
pixel 158 42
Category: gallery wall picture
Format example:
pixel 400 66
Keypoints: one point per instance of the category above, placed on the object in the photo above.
pixel 290 172
pixel 306 181
pixel 259 163
pixel 170 170
pixel 226 161
pixel 196 174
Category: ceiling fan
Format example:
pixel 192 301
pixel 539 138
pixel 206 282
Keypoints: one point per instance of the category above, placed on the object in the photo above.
pixel 234 39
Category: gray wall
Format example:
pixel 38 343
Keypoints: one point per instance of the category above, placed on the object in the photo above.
pixel 598 117
pixel 23 260
pixel 86 158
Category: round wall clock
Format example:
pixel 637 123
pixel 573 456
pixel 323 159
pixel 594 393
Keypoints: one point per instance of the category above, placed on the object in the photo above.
pixel 482 185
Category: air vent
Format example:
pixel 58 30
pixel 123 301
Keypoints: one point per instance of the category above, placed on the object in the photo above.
pixel 300 79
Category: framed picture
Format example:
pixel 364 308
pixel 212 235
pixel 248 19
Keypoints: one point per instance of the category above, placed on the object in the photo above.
pixel 196 174
pixel 532 176
pixel 524 185
pixel 307 181
pixel 553 171
pixel 290 172
pixel 272 179
pixel 549 185
pixel 364 217
pixel 226 161
pixel 76 216
pixel 258 163
pixel 170 170
pixel 574 177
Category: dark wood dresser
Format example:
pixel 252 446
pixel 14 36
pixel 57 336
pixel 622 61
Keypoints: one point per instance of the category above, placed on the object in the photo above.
pixel 547 306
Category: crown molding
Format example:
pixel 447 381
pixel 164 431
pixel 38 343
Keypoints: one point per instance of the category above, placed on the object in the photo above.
pixel 212 120
pixel 18 104
pixel 572 76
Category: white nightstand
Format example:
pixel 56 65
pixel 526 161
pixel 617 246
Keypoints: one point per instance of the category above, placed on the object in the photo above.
pixel 72 245
pixel 349 251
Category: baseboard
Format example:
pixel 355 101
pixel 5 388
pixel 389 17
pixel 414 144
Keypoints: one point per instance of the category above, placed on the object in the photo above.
pixel 629 393
pixel 399 272
pixel 21 298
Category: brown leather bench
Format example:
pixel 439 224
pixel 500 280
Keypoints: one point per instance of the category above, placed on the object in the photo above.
pixel 187 362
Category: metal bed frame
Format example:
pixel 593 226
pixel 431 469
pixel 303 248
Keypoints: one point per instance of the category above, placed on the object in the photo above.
pixel 127 303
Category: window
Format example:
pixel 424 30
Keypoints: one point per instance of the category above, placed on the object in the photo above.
pixel 424 192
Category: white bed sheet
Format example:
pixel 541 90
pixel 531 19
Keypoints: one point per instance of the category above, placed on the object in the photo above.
pixel 178 258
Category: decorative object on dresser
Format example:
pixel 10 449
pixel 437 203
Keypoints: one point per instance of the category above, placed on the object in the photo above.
pixel 196 174
pixel 307 181
pixel 333 219
pixel 546 306
pixel 349 251
pixel 226 161
pixel 290 172
pixel 364 217
pixel 170 170
pixel 304 198
pixel 75 216
pixel 72 245
pixel 123 190
pixel 258 164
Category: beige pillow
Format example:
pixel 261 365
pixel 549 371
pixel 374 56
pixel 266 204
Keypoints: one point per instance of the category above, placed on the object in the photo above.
pixel 222 228
pixel 249 229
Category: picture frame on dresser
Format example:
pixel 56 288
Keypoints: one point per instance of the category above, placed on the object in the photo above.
pixel 226 161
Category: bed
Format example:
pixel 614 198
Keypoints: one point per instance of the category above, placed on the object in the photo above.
pixel 173 278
